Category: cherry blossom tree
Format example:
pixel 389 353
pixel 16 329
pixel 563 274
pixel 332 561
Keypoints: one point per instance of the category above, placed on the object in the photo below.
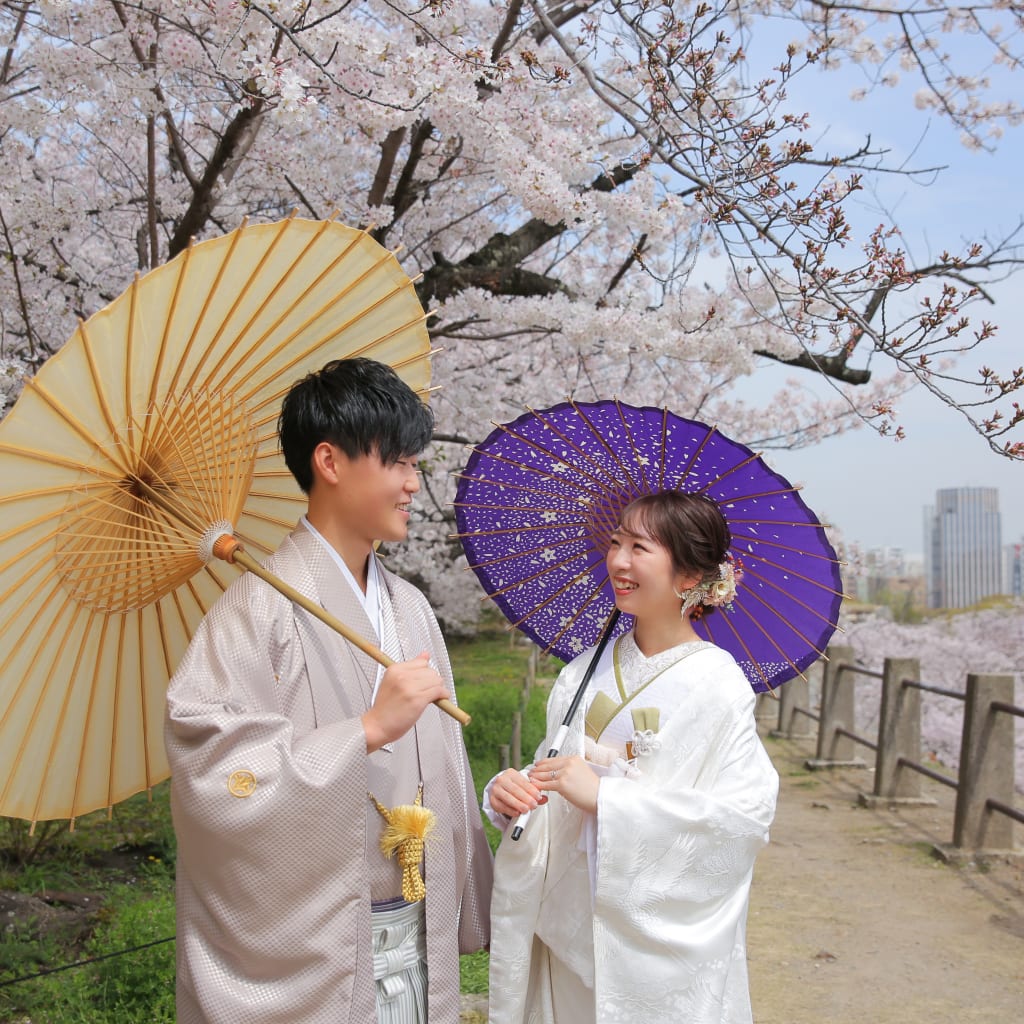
pixel 601 197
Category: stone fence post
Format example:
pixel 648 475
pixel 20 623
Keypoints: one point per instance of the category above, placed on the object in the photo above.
pixel 899 736
pixel 796 693
pixel 986 766
pixel 838 686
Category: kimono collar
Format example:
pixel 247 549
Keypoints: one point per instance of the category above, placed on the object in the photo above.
pixel 371 599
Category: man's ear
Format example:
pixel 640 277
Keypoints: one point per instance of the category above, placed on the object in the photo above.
pixel 326 462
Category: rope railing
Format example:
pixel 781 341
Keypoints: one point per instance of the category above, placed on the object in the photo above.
pixel 84 963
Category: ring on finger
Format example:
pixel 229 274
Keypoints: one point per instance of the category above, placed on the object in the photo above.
pixel 553 774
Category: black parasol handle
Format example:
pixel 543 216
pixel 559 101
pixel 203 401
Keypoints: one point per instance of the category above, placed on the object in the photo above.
pixel 563 729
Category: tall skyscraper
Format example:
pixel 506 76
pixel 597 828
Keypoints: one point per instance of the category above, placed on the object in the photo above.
pixel 963 547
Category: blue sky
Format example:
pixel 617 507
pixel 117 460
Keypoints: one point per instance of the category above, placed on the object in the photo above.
pixel 874 488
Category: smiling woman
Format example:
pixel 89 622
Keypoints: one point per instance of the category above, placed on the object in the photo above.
pixel 586 927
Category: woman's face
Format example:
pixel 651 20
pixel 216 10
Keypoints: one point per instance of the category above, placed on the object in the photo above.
pixel 642 575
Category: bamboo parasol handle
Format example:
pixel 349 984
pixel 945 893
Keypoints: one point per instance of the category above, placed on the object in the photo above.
pixel 234 552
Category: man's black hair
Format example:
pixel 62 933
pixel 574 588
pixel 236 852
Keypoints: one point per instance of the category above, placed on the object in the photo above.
pixel 361 406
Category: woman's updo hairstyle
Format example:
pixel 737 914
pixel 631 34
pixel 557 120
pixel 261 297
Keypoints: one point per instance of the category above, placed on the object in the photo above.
pixel 690 526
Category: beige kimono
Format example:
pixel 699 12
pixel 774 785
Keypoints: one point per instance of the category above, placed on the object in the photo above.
pixel 277 837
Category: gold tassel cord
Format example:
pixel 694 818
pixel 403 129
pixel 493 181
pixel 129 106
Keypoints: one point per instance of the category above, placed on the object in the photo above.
pixel 408 827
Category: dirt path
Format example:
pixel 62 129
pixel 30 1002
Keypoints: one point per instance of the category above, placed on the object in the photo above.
pixel 854 919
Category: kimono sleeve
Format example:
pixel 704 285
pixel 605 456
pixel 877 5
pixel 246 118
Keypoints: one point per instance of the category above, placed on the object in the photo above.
pixel 269 812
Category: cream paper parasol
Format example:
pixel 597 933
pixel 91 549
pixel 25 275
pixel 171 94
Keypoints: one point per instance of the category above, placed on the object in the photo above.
pixel 141 455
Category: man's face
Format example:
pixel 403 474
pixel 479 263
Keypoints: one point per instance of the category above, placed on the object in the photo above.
pixel 374 498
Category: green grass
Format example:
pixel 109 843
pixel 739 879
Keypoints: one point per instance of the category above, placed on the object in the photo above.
pixel 130 860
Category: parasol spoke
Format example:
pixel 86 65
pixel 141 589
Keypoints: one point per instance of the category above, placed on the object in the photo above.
pixel 786 570
pixel 504 531
pixel 527 489
pixel 94 685
pixel 752 458
pixel 784 491
pixel 663 446
pixel 128 441
pixel 96 378
pixel 180 269
pixel 116 714
pixel 558 593
pixel 57 740
pixel 741 645
pixel 144 711
pixel 760 627
pixel 741 642
pixel 602 482
pixel 592 598
pixel 605 481
pixel 42 602
pixel 296 298
pixel 350 284
pixel 41 543
pixel 271 400
pixel 795 524
pixel 638 460
pixel 772 611
pixel 599 436
pixel 59 460
pixel 709 433
pixel 250 282
pixel 520 553
pixel 759 541
pixel 522 581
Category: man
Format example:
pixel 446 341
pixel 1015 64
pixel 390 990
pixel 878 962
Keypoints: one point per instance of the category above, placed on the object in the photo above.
pixel 283 739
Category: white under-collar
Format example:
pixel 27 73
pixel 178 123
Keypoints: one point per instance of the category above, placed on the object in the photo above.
pixel 371 599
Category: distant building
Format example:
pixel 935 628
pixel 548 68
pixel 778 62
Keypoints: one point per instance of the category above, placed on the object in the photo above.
pixel 886 576
pixel 1013 576
pixel 963 547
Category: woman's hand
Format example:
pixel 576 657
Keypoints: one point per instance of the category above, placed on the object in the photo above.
pixel 512 794
pixel 570 776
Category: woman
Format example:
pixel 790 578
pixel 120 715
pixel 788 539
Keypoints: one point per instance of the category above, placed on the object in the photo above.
pixel 626 897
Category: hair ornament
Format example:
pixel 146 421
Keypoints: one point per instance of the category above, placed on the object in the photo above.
pixel 715 593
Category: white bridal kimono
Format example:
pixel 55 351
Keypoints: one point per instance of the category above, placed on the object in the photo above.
pixel 640 913
pixel 277 837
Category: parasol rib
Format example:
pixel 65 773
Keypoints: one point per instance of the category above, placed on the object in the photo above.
pixel 644 484
pixel 94 689
pixel 259 343
pixel 240 294
pixel 528 488
pixel 56 740
pixel 603 441
pixel 601 480
pixel 561 590
pixel 772 610
pixel 508 556
pixel 789 572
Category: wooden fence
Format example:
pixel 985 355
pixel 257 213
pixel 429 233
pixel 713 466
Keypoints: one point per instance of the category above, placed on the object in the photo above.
pixel 510 755
pixel 985 813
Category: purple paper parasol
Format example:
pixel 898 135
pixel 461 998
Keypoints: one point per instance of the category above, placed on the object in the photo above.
pixel 540 496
